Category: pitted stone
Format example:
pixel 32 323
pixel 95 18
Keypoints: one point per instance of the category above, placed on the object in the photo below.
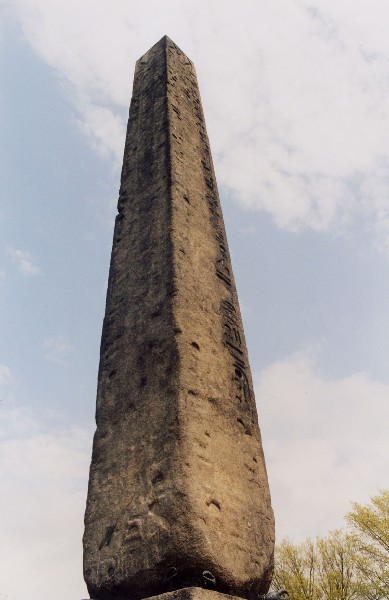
pixel 178 476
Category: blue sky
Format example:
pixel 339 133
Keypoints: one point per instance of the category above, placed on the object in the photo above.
pixel 295 98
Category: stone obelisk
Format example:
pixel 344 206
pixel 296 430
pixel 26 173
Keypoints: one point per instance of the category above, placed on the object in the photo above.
pixel 178 492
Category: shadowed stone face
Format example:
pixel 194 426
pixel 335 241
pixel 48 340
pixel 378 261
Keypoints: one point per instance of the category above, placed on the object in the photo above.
pixel 178 477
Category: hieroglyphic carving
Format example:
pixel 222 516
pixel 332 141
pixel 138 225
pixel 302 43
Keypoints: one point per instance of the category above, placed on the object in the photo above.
pixel 107 537
pixel 133 531
pixel 233 330
pixel 131 534
pixel 233 341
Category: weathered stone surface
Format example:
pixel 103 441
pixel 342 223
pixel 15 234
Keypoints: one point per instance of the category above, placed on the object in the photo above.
pixel 178 476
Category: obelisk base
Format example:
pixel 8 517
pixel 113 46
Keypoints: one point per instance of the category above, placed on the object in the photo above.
pixel 192 593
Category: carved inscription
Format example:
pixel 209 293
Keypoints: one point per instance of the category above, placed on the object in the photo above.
pixel 223 266
pixel 233 341
pixel 133 531
pixel 233 331
pixel 107 537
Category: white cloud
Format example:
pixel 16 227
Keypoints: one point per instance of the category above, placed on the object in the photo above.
pixel 57 349
pixel 24 261
pixel 295 94
pixel 325 442
pixel 303 87
pixel 105 130
pixel 42 501
pixel 5 375
pixel 6 381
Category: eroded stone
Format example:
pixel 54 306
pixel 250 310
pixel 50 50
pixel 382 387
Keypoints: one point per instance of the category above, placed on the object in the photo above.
pixel 178 476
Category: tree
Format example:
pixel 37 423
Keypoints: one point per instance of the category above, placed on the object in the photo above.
pixel 371 526
pixel 323 569
pixel 345 565
pixel 295 568
pixel 337 573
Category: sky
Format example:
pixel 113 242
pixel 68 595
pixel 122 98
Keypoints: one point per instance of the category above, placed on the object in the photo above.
pixel 295 94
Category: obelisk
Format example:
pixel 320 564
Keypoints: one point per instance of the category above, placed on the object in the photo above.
pixel 178 492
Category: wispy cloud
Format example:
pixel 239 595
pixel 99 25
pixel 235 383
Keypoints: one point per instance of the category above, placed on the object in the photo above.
pixel 325 443
pixel 6 381
pixel 5 375
pixel 248 230
pixel 104 128
pixel 57 349
pixel 24 261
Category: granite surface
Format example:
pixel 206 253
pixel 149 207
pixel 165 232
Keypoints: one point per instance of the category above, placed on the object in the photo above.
pixel 178 477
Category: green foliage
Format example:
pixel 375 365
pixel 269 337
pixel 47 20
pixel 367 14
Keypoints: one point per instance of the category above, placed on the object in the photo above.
pixel 371 526
pixel 323 569
pixel 351 565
